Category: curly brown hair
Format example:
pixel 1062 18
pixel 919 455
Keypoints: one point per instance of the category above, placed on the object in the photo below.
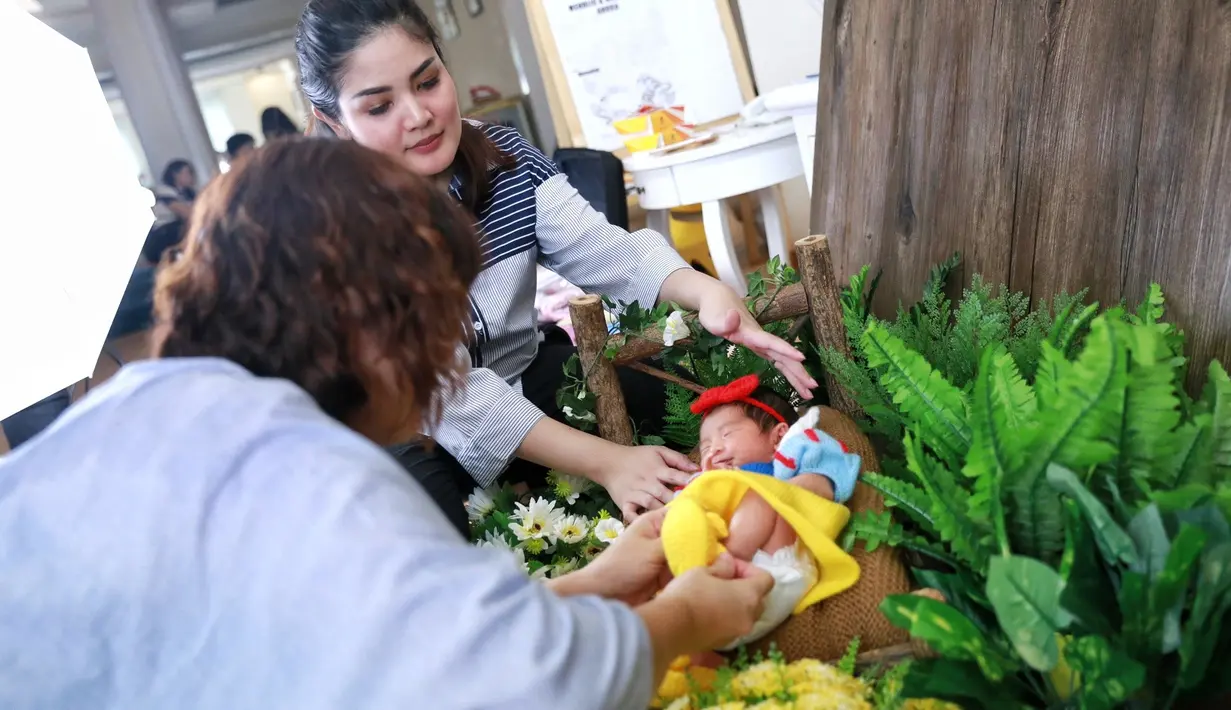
pixel 329 265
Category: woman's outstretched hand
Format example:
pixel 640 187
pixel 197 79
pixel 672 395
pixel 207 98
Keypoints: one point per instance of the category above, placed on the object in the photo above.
pixel 639 478
pixel 724 314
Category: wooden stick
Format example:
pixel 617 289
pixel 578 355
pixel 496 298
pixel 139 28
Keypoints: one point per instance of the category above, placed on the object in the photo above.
pixel 590 327
pixel 888 655
pixel 790 302
pixel 825 306
pixel 797 326
pixel 666 376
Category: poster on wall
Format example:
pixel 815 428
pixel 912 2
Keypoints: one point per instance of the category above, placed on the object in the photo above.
pixel 618 55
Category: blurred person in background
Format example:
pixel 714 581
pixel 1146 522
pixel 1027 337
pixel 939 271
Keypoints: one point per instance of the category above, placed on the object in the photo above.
pixel 173 200
pixel 276 124
pixel 239 147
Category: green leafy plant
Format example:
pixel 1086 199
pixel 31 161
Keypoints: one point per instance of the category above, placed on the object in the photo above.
pixel 699 356
pixel 1074 504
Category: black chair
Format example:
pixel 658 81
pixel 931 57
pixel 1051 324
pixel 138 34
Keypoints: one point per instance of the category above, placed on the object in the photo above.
pixel 599 177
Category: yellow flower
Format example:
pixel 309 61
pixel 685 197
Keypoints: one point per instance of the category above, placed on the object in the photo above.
pixel 763 679
pixel 830 700
pixel 674 684
pixel 916 704
pixel 726 706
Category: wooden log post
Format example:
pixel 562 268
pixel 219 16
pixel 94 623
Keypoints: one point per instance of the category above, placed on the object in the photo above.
pixel 825 307
pixel 590 326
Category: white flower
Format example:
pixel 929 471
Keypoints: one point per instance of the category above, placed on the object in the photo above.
pixel 675 329
pixel 537 520
pixel 563 568
pixel 572 529
pixel 569 488
pixel 608 529
pixel 569 413
pixel 541 573
pixel 480 503
pixel 495 541
pixel 520 556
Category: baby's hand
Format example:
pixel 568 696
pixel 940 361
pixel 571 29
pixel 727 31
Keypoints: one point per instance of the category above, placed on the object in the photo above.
pixel 816 483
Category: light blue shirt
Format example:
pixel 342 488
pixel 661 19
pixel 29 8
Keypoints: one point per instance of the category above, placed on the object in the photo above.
pixel 191 536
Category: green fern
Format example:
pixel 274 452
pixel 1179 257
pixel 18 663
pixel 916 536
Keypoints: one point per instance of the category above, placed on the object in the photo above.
pixel 856 302
pixel 935 407
pixel 1082 403
pixel 904 496
pixel 882 416
pixel 1217 402
pixel 680 426
pixel 948 512
pixel 1071 326
pixel 1001 407
pixel 1149 412
pixel 847 663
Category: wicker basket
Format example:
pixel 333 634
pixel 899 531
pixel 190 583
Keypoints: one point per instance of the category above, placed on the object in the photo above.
pixel 824 630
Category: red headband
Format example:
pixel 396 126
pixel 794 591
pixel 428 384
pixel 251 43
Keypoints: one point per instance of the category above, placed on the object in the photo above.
pixel 738 391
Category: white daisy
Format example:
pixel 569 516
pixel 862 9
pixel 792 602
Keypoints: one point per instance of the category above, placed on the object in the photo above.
pixel 536 520
pixel 495 540
pixel 608 529
pixel 675 328
pixel 572 529
pixel 569 488
pixel 480 503
pixel 520 556
pixel 541 573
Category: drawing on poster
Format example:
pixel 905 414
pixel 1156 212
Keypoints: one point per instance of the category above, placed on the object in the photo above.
pixel 611 102
pixel 619 55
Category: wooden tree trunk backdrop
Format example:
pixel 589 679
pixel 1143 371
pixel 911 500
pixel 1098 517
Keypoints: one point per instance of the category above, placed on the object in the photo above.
pixel 1057 144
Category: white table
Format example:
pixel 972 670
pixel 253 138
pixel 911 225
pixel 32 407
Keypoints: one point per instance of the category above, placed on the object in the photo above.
pixel 743 160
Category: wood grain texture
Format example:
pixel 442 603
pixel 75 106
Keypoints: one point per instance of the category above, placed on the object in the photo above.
pixel 1056 144
pixel 610 409
pixel 816 273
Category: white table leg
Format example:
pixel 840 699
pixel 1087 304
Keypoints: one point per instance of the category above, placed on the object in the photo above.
pixel 722 251
pixel 660 221
pixel 775 233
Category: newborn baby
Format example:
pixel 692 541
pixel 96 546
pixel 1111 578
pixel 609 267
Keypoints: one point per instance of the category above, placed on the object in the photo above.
pixel 749 428
pixel 743 426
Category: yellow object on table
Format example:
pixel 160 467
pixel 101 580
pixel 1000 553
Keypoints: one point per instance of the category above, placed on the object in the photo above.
pixel 696 524
pixel 652 128
pixel 688 236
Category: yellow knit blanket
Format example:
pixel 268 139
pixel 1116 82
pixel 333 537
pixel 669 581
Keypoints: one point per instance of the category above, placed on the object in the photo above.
pixel 696 524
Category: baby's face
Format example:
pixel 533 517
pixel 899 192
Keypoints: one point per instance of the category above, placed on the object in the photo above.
pixel 730 439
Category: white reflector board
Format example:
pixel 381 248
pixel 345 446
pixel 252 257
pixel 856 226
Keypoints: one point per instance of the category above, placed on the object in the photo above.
pixel 73 217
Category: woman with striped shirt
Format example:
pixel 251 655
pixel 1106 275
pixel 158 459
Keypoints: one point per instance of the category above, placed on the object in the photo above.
pixel 374 73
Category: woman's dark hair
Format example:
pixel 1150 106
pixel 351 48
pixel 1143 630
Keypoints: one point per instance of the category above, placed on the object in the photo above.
pixel 173 169
pixel 276 124
pixel 301 262
pixel 330 30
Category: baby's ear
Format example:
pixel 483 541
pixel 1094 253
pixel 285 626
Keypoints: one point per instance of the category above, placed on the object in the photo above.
pixel 778 432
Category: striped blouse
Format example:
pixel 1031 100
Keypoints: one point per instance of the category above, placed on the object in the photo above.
pixel 533 215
